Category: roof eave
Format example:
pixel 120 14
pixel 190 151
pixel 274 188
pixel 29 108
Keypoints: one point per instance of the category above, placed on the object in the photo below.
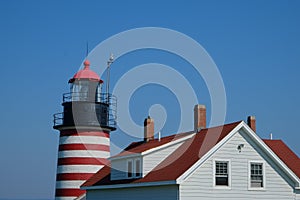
pixel 129 185
pixel 124 157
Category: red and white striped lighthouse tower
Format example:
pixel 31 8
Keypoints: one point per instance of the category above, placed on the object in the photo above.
pixel 84 125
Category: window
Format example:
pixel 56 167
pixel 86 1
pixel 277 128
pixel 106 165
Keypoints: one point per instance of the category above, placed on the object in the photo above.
pixel 129 168
pixel 137 167
pixel 221 173
pixel 256 175
pixel 134 168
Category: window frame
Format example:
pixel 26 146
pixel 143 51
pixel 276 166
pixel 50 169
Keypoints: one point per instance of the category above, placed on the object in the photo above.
pixel 127 169
pixel 228 161
pixel 135 168
pixel 250 162
pixel 133 172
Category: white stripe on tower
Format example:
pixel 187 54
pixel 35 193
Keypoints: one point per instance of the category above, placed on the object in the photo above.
pixel 83 153
pixel 80 156
pixel 62 169
pixel 68 184
pixel 84 140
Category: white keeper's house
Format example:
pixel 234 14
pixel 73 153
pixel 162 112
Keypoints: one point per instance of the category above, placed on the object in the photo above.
pixel 226 162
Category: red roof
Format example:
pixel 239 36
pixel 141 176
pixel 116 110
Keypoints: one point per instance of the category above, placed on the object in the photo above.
pixel 86 73
pixel 139 147
pixel 181 159
pixel 285 154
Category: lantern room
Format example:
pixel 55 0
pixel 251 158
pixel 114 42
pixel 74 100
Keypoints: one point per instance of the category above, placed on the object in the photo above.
pixel 85 104
pixel 86 85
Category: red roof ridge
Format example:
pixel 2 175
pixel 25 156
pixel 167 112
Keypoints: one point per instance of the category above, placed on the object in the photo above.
pixel 268 140
pixel 219 126
pixel 285 154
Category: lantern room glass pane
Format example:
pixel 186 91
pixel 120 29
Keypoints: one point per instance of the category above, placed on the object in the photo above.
pixel 85 90
pixel 98 94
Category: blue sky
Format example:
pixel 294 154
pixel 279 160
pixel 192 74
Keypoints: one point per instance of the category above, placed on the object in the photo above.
pixel 255 45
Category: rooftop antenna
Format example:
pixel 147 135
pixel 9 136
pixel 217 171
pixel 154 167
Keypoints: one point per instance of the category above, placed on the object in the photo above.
pixel 87 49
pixel 109 62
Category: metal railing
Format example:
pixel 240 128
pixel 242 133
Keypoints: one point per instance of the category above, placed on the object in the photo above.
pixel 105 98
pixel 58 120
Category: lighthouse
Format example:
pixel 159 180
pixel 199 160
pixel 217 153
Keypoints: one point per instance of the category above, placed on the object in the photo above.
pixel 84 126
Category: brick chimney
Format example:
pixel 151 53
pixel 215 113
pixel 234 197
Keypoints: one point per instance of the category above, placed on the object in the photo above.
pixel 251 121
pixel 148 129
pixel 199 117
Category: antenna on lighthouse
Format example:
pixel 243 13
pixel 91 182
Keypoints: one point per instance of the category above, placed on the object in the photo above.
pixel 87 49
pixel 109 62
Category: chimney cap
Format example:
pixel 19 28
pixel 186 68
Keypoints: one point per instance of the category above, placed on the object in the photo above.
pixel 251 117
pixel 197 106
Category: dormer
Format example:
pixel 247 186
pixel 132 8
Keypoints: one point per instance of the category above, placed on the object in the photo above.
pixel 139 158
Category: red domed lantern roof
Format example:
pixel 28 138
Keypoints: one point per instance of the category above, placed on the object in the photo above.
pixel 86 73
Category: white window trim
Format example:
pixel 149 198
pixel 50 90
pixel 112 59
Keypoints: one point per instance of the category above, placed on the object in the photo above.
pixel 141 171
pixel 214 174
pixel 264 175
pixel 133 168
pixel 127 167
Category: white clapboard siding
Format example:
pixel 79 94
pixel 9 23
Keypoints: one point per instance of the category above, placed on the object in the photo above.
pixel 160 192
pixel 200 184
pixel 298 195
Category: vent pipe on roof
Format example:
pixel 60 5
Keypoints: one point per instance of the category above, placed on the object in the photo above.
pixel 251 121
pixel 159 136
pixel 271 136
pixel 148 129
pixel 199 117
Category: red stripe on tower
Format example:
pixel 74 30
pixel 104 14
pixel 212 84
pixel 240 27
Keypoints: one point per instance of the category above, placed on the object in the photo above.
pixel 82 161
pixel 73 176
pixel 87 133
pixel 99 147
pixel 69 192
